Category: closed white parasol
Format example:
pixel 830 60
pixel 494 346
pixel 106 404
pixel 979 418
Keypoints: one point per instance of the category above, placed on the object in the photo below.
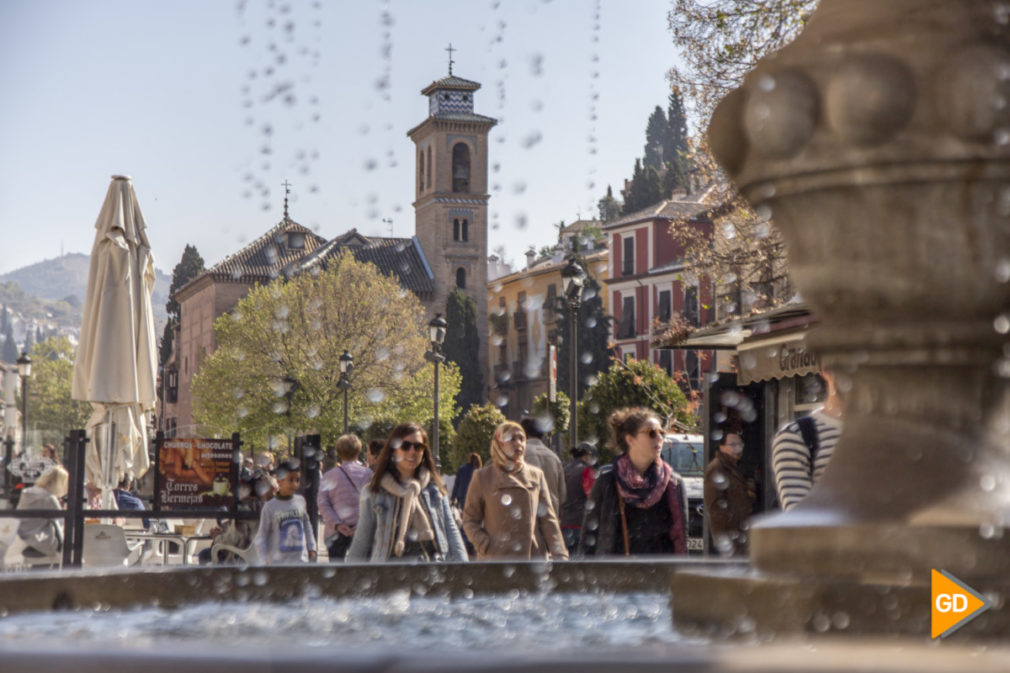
pixel 116 361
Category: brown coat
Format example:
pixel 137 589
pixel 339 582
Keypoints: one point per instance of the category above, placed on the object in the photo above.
pixel 728 502
pixel 511 515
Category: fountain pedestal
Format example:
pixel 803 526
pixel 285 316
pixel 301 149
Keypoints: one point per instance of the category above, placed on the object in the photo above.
pixel 879 143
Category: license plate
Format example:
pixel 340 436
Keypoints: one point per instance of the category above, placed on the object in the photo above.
pixel 695 544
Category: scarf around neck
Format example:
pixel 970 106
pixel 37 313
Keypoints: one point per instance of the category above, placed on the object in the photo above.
pixel 641 490
pixel 412 516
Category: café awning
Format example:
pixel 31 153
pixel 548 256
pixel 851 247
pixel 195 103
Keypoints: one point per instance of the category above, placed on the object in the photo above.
pixel 776 356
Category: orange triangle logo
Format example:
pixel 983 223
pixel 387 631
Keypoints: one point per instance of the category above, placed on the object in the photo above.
pixel 954 603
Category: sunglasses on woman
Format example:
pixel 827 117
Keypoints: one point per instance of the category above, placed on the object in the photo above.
pixel 410 446
pixel 652 432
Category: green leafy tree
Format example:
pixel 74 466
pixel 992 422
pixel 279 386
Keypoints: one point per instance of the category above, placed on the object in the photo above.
pixel 645 190
pixel 462 346
pixel 609 207
pixel 473 435
pixel 276 367
pixel 189 267
pixel 594 351
pixel 556 416
pixel 635 383
pixel 50 407
pixel 676 150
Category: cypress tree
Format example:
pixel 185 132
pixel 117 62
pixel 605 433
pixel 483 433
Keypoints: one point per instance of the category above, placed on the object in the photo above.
pixel 462 346
pixel 655 133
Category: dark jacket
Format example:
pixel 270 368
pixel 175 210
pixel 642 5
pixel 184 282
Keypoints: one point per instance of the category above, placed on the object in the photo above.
pixel 573 509
pixel 461 483
pixel 649 530
pixel 728 503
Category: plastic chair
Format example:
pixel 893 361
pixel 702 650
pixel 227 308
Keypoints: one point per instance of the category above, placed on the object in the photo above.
pixel 247 555
pixel 105 545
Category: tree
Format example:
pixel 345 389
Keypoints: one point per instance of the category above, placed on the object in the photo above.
pixel 645 190
pixel 462 346
pixel 10 351
pixel 3 319
pixel 276 370
pixel 676 151
pixel 655 132
pixel 635 383
pixel 189 267
pixel 609 207
pixel 50 407
pixel 552 417
pixel 473 435
pixel 593 334
pixel 719 41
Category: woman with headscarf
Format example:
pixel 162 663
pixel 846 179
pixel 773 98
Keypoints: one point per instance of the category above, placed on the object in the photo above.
pixel 404 510
pixel 508 511
pixel 638 504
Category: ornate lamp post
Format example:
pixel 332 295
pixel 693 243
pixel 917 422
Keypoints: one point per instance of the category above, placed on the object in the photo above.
pixel 436 335
pixel 25 372
pixel 573 278
pixel 346 367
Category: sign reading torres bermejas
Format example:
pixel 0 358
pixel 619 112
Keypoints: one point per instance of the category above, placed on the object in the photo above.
pixel 196 473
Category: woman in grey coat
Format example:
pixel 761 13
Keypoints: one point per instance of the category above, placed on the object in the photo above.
pixel 44 537
pixel 404 510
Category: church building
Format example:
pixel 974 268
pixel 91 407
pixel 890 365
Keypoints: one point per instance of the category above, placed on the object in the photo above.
pixel 448 249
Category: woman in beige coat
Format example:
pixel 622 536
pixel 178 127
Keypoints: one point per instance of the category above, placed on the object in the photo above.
pixel 508 511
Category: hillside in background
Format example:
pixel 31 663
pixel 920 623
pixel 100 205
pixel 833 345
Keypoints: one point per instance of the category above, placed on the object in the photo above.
pixel 54 289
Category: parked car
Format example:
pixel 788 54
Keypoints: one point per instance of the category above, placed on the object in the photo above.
pixel 686 455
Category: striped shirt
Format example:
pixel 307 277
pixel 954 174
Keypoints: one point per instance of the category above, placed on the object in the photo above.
pixel 791 457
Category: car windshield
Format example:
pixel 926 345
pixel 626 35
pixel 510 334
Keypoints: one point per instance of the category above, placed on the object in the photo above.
pixel 684 457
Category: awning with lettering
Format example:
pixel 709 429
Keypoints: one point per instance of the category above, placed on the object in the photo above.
pixel 776 357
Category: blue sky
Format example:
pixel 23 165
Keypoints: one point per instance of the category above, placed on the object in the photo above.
pixel 211 104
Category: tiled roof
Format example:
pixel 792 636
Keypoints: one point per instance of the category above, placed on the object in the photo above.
pixel 466 117
pixel 668 210
pixel 268 256
pixel 399 257
pixel 451 82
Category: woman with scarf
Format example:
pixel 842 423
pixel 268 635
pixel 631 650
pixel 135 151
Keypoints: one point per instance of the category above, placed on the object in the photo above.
pixel 638 504
pixel 508 511
pixel 404 510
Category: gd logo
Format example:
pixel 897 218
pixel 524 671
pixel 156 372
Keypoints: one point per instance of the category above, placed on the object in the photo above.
pixel 954 603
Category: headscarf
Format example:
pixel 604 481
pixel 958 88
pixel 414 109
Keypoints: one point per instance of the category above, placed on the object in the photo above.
pixel 499 454
pixel 641 490
pixel 412 516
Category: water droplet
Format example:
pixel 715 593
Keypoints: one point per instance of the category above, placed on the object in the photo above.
pixel 1002 323
pixel 506 499
pixel 821 623
pixel 987 482
pixel 375 395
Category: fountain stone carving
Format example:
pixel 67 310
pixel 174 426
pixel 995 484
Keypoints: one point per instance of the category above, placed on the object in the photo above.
pixel 879 142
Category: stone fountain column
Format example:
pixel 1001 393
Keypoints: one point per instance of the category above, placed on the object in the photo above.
pixel 879 143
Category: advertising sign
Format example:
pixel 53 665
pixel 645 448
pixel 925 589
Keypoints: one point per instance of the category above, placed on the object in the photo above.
pixel 196 473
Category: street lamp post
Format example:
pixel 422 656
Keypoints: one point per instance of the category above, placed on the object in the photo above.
pixel 25 371
pixel 436 335
pixel 346 367
pixel 573 279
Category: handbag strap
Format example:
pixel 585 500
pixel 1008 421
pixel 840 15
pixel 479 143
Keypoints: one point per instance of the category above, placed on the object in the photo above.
pixel 624 525
pixel 353 485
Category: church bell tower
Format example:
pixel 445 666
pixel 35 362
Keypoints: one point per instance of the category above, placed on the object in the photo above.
pixel 450 207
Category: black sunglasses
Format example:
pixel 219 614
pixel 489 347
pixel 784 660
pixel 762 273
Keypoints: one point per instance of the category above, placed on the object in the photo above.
pixel 409 446
pixel 652 432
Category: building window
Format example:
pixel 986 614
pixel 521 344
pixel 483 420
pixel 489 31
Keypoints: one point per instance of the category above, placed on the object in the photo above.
pixel 691 305
pixel 420 186
pixel 466 233
pixel 172 386
pixel 626 329
pixel 461 278
pixel 628 260
pixel 460 168
pixel 431 185
pixel 296 240
pixel 666 361
pixel 664 310
pixel 692 363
